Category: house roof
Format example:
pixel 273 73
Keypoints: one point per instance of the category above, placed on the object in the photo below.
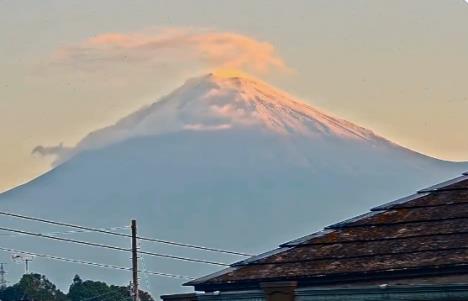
pixel 422 234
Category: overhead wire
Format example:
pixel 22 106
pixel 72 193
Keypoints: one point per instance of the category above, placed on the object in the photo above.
pixel 155 240
pixel 111 247
pixel 66 232
pixel 95 264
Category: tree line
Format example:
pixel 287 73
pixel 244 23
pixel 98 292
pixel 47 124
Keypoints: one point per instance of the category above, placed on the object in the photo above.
pixel 36 287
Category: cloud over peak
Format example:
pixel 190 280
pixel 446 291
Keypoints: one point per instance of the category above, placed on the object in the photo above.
pixel 206 49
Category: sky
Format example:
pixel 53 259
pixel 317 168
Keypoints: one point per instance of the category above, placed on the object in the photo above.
pixel 398 67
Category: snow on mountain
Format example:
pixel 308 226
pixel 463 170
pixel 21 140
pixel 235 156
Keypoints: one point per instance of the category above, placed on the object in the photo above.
pixel 218 102
pixel 224 161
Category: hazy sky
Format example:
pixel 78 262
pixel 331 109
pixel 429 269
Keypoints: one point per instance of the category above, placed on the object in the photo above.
pixel 398 67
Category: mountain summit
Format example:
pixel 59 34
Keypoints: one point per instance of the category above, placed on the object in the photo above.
pixel 221 102
pixel 217 102
pixel 223 161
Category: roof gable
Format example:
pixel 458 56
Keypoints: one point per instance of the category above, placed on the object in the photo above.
pixel 424 233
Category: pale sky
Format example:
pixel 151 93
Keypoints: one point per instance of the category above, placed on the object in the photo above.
pixel 398 67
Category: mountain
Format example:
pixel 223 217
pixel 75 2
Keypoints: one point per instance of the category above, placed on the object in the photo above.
pixel 224 161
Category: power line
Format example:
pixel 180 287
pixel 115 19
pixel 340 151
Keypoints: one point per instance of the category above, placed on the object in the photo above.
pixel 101 265
pixel 116 248
pixel 178 244
pixel 66 232
pixel 156 240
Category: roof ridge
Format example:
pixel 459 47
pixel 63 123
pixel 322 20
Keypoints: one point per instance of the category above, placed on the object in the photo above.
pixel 352 257
pixel 345 225
pixel 399 201
pixel 305 244
pixel 440 186
pixel 386 217
pixel 421 193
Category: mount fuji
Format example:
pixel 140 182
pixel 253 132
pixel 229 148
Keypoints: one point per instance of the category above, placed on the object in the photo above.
pixel 225 161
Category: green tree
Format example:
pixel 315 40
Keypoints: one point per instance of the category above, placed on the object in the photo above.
pixel 99 291
pixel 92 290
pixel 33 287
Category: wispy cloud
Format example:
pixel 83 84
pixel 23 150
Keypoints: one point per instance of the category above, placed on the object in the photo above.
pixel 55 151
pixel 175 47
pixel 124 60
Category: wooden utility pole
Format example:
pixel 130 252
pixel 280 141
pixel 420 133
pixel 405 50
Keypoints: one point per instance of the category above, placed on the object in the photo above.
pixel 136 296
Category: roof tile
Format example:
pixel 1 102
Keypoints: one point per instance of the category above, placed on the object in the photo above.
pixel 427 232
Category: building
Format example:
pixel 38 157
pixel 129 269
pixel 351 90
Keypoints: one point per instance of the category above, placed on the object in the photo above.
pixel 415 248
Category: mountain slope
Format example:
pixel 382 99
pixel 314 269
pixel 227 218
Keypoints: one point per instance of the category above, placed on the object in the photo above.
pixel 223 161
pixel 214 102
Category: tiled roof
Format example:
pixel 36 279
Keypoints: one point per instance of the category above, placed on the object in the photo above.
pixel 423 234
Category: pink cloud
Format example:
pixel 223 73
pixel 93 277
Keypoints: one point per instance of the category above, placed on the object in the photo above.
pixel 203 48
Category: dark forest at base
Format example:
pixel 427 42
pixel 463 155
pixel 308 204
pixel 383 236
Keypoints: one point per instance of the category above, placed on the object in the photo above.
pixel 36 287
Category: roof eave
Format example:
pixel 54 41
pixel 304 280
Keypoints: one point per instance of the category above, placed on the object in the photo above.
pixel 345 278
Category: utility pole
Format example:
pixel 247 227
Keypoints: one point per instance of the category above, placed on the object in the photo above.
pixel 2 276
pixel 26 264
pixel 23 258
pixel 136 296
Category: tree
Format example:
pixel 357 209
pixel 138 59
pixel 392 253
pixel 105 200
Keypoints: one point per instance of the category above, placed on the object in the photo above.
pixel 33 287
pixel 92 290
pixel 100 291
